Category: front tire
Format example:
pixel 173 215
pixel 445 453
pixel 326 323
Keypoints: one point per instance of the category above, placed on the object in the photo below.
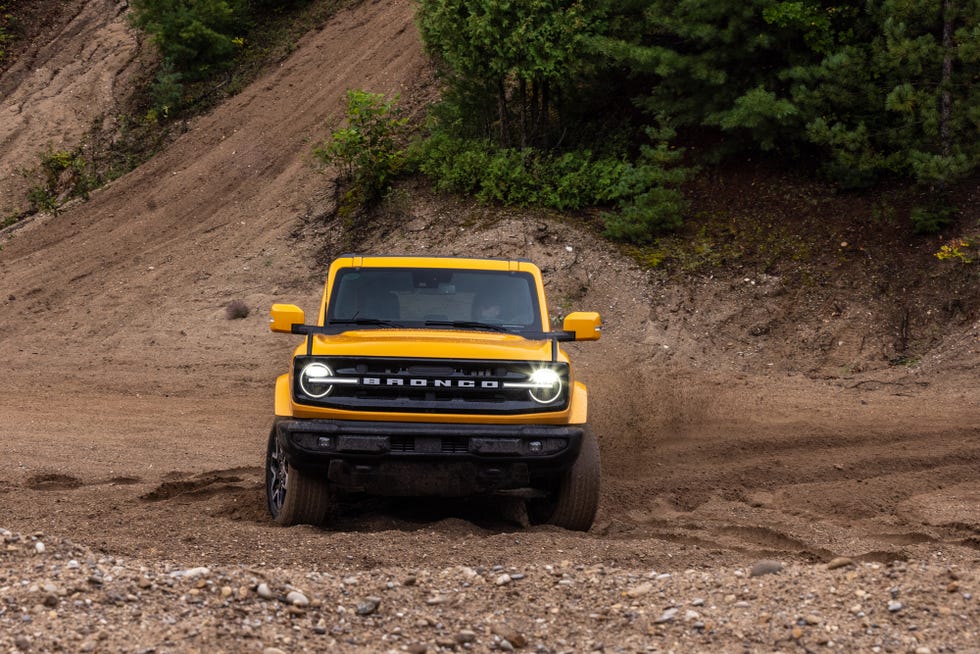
pixel 574 500
pixel 293 497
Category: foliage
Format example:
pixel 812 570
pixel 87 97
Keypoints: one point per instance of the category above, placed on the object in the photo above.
pixel 236 310
pixel 902 99
pixel 514 176
pixel 512 64
pixel 963 250
pixel 368 150
pixel 5 36
pixel 645 194
pixel 874 89
pixel 59 176
pixel 196 37
pixel 650 202
pixel 931 218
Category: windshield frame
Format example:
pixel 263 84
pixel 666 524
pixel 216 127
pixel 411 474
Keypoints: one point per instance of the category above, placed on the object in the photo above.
pixel 530 308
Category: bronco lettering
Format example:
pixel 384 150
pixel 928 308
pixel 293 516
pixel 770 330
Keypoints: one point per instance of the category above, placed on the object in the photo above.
pixel 426 383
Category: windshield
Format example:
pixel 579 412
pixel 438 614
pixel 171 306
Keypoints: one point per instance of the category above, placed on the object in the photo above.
pixel 435 298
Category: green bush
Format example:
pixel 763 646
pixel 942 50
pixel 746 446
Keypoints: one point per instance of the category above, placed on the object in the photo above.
pixel 368 150
pixel 932 217
pixel 566 181
pixel 5 36
pixel 644 194
pixel 196 37
pixel 59 176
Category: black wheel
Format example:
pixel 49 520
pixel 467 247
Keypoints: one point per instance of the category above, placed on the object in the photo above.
pixel 293 497
pixel 572 500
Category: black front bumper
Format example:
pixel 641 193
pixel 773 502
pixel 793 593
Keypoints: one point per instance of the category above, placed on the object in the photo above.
pixel 404 458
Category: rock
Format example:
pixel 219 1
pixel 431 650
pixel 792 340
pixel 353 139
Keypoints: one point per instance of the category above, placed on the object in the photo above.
pixel 192 572
pixel 509 634
pixel 797 633
pixel 840 562
pixel 22 643
pixel 297 598
pixel 368 605
pixel 812 620
pixel 465 636
pixel 272 650
pixel 416 648
pixel 640 591
pixel 502 580
pixel 666 616
pixel 264 591
pixel 765 567
pixel 39 547
pixel 697 601
pixel 895 606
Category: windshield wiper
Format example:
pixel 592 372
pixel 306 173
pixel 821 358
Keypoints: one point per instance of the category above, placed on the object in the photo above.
pixel 466 324
pixel 366 321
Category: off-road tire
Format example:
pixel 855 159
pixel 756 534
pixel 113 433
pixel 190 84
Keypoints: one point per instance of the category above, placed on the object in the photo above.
pixel 293 498
pixel 574 499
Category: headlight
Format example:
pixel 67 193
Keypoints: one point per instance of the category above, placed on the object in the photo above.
pixel 544 386
pixel 316 380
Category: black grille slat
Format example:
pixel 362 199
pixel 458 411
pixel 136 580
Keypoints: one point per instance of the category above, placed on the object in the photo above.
pixel 403 444
pixel 455 445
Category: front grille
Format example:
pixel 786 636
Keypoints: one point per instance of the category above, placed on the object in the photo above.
pixel 427 386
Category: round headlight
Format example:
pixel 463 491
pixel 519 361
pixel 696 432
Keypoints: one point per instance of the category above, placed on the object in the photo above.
pixel 546 386
pixel 315 380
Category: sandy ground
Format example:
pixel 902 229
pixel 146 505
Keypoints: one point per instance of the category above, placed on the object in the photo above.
pixel 134 416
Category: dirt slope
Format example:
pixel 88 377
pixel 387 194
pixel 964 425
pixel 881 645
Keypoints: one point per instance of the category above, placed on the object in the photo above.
pixel 82 62
pixel 134 414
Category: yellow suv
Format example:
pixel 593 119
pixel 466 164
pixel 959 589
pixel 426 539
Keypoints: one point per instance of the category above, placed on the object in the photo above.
pixel 432 376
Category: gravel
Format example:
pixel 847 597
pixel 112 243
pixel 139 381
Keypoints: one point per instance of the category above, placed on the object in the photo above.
pixel 68 597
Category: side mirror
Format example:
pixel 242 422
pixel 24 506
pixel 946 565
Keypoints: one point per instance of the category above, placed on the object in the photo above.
pixel 284 316
pixel 586 325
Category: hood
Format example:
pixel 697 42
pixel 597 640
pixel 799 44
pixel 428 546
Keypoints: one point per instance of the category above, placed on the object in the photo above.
pixel 434 344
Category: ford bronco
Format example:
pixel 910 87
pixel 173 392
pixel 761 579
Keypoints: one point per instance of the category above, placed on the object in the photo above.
pixel 432 376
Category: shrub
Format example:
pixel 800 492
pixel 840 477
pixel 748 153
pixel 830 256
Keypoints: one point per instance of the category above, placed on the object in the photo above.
pixel 60 175
pixel 195 36
pixel 236 310
pixel 645 194
pixel 368 150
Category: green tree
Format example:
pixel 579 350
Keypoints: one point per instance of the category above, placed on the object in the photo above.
pixel 507 65
pixel 719 63
pixel 196 37
pixel 917 77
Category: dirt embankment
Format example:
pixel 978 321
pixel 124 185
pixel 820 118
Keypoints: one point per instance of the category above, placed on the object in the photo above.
pixel 78 64
pixel 742 416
